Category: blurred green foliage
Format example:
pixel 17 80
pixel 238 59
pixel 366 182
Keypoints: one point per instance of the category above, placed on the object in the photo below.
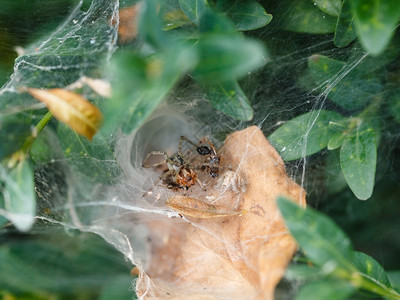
pixel 24 22
pixel 341 270
pixel 61 265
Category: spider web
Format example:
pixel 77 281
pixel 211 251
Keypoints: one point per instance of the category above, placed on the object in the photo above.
pixel 99 190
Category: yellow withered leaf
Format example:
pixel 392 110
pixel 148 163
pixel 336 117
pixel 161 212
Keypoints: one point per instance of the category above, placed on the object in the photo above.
pixel 192 207
pixel 71 109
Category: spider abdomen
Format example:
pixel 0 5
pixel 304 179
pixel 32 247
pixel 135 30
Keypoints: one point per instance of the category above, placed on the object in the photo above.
pixel 186 177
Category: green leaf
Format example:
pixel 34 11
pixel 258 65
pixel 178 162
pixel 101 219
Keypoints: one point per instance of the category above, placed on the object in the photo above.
pixel 19 195
pixel 304 272
pixel 375 21
pixel 394 277
pixel 334 179
pixel 118 288
pixel 394 106
pixel 214 23
pixel 44 146
pixel 351 92
pixel 141 83
pixel 345 32
pixel 173 18
pixel 331 7
pixel 304 135
pixel 358 160
pixel 229 98
pixel 59 263
pixel 370 267
pixel 193 9
pixel 3 220
pixel 320 238
pixel 248 15
pixel 323 68
pixel 95 159
pixel 227 57
pixel 336 140
pixel 327 290
pixel 302 16
pixel 14 130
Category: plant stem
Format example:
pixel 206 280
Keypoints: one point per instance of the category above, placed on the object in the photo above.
pixel 370 284
pixel 38 128
pixel 43 122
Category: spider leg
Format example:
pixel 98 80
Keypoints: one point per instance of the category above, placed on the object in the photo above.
pixel 205 140
pixel 175 174
pixel 162 177
pixel 149 190
pixel 184 138
pixel 201 184
pixel 155 164
pixel 181 140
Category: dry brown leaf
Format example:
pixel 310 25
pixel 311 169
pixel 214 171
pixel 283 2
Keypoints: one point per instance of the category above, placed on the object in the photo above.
pixel 232 257
pixel 71 109
pixel 192 207
pixel 101 87
pixel 127 30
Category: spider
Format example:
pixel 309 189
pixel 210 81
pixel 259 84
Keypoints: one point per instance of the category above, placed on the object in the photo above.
pixel 180 173
pixel 213 159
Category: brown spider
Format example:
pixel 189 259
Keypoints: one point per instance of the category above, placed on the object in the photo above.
pixel 212 158
pixel 180 173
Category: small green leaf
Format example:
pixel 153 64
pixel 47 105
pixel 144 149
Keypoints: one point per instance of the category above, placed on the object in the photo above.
pixel 345 32
pixel 326 290
pixel 228 57
pixel 193 9
pixel 358 160
pixel 214 23
pixel 14 130
pixel 19 195
pixel 370 267
pixel 141 83
pixel 351 92
pixel 304 135
pixel 331 7
pixel 320 238
pixel 334 179
pixel 302 16
pixel 248 15
pixel 323 68
pixel 336 140
pixel 229 98
pixel 394 106
pixel 173 18
pixel 375 22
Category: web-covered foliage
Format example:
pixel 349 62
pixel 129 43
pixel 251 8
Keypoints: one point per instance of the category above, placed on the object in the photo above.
pixel 321 86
